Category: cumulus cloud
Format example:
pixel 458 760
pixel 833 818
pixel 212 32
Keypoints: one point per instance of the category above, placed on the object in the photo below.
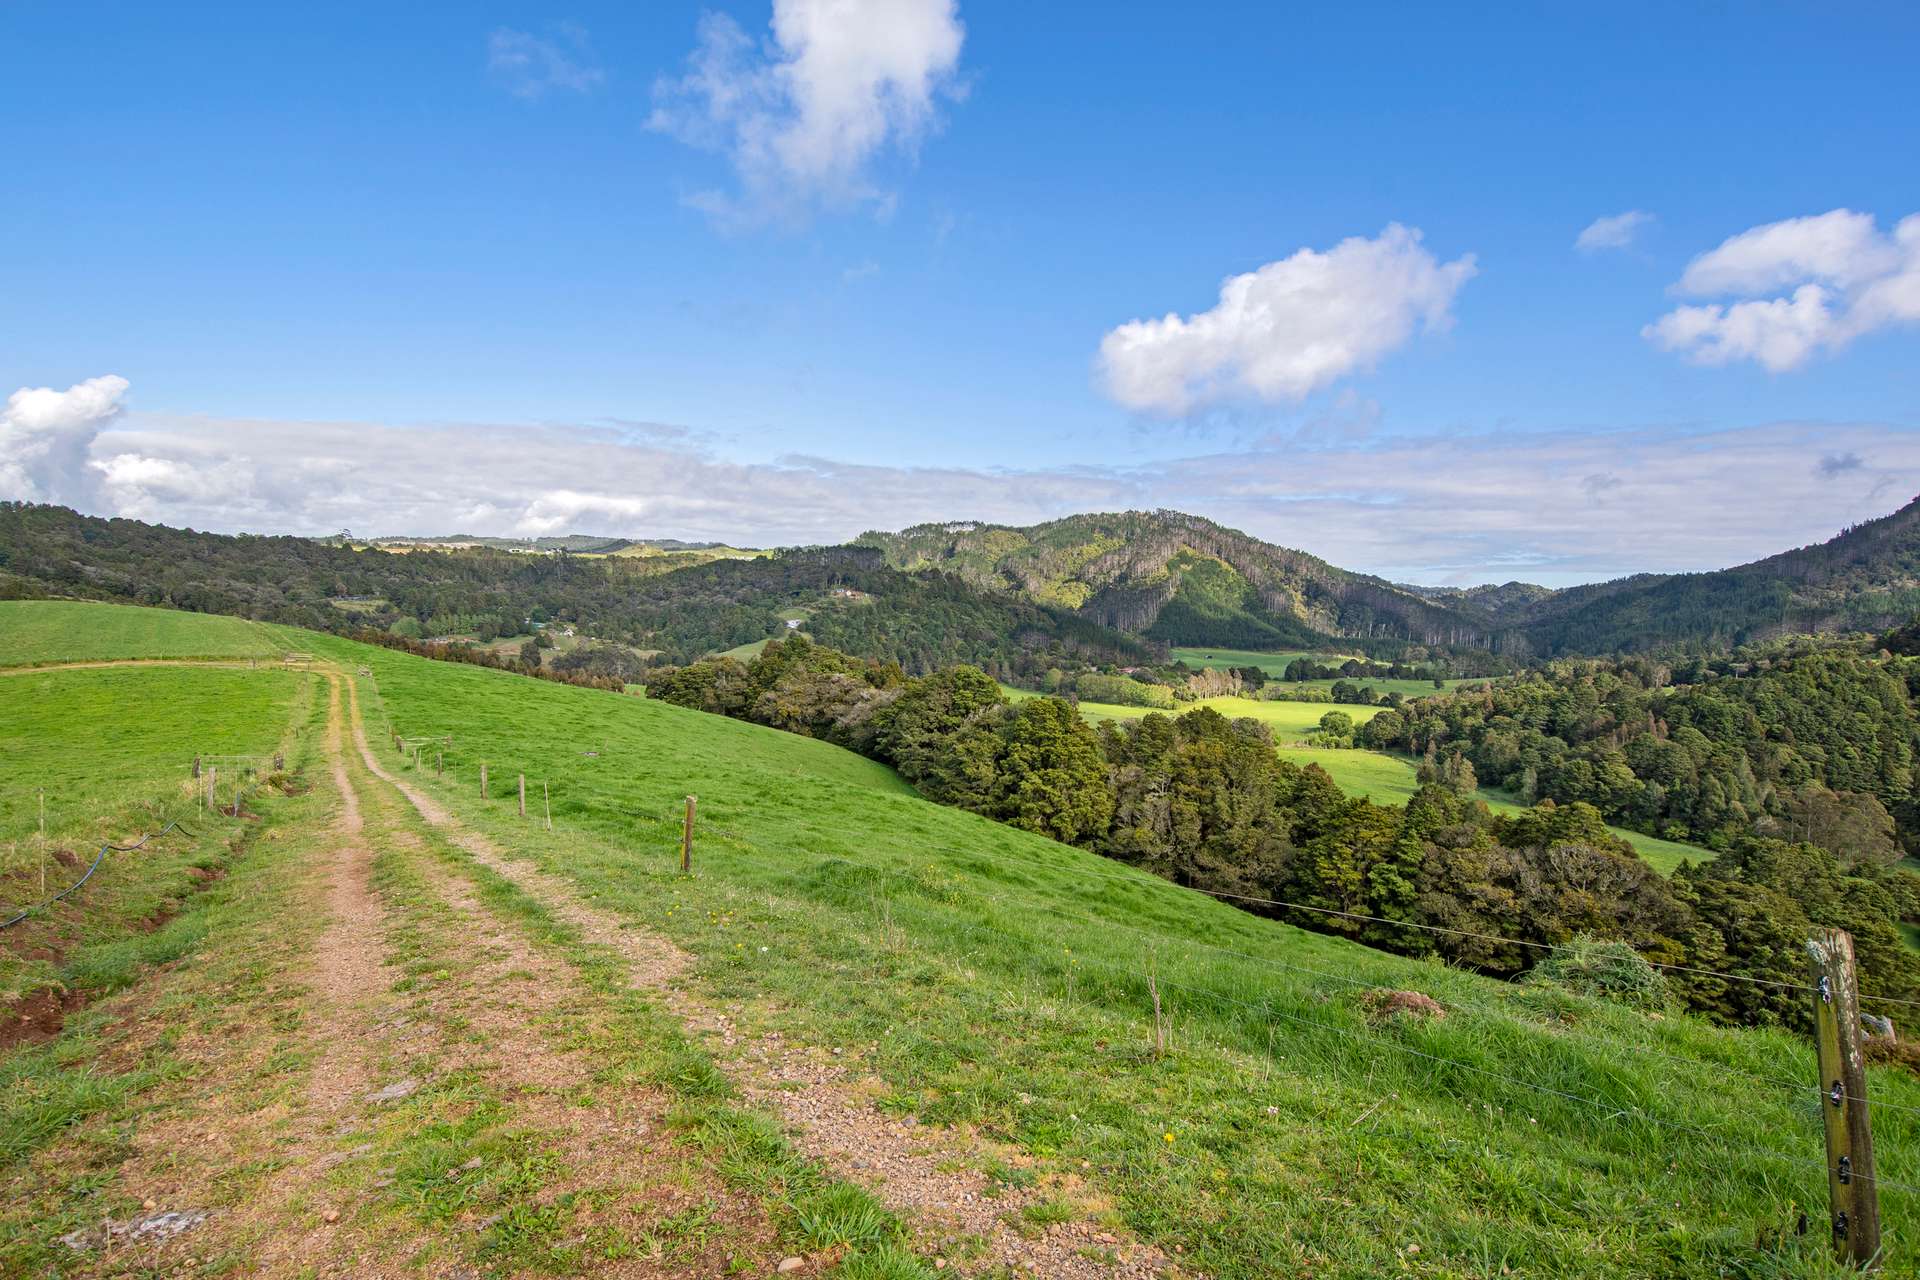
pixel 1458 508
pixel 802 116
pixel 46 439
pixel 528 66
pixel 1614 232
pixel 1288 329
pixel 1846 279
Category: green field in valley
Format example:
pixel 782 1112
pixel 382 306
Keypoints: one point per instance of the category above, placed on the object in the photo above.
pixel 1393 780
pixel 978 979
pixel 1381 777
pixel 1288 720
pixel 752 648
pixel 43 632
pixel 1275 665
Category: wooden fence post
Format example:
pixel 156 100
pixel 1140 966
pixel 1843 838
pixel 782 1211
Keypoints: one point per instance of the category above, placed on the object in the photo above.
pixel 523 796
pixel 1851 1188
pixel 546 799
pixel 686 838
pixel 483 779
pixel 439 763
pixel 196 767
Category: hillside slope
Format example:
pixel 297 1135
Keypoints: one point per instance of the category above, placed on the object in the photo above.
pixel 1185 580
pixel 1864 579
pixel 1182 579
pixel 668 604
pixel 857 959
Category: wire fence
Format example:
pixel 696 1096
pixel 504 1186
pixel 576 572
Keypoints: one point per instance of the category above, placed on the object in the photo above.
pixel 1607 1112
pixel 204 797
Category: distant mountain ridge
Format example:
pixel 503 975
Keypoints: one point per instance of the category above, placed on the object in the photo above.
pixel 1866 578
pixel 1122 584
pixel 1183 579
pixel 577 543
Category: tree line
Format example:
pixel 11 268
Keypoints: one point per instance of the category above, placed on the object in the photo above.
pixel 1207 802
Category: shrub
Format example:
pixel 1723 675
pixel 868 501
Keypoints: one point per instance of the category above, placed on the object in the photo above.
pixel 1590 966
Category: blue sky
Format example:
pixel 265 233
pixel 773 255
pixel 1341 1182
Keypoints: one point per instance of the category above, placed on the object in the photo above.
pixel 427 223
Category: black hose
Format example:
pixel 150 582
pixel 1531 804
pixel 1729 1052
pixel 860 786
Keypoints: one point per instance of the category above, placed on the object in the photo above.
pixel 24 912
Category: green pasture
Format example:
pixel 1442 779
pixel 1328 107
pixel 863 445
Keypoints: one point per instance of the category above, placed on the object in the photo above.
pixel 1393 779
pixel 1275 665
pixel 1288 720
pixel 1383 778
pixel 751 649
pixel 98 740
pixel 46 632
pixel 982 976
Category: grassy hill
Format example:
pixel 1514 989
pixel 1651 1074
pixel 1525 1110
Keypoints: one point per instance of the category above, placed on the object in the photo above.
pixel 50 631
pixel 983 982
pixel 96 740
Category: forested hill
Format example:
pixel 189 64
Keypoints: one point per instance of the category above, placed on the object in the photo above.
pixel 856 601
pixel 1865 579
pixel 1181 579
pixel 1099 588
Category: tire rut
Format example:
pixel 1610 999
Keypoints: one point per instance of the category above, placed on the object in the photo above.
pixel 909 1167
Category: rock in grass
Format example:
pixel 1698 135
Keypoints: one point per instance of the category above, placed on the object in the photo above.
pixel 394 1092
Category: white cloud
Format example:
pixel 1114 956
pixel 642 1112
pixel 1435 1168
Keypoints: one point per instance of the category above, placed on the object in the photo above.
pixel 529 66
pixel 1777 333
pixel 1838 247
pixel 46 439
pixel 1615 232
pixel 1287 329
pixel 802 117
pixel 559 510
pixel 1847 280
pixel 1459 508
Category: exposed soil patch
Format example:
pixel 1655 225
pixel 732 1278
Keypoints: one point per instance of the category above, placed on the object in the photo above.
pixel 38 1017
